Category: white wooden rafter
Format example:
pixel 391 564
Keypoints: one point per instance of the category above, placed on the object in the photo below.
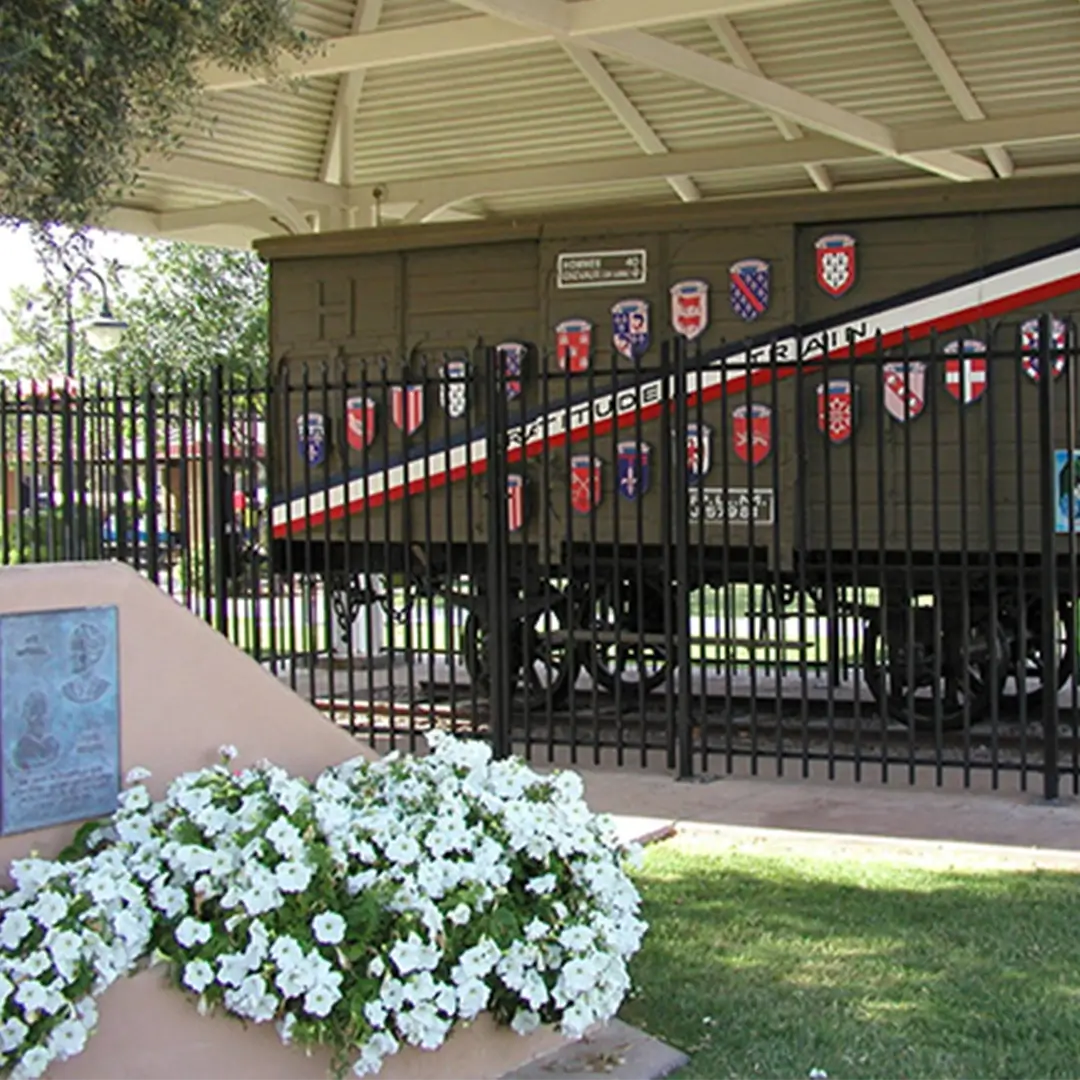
pixel 741 56
pixel 628 115
pixel 481 34
pixel 656 54
pixel 810 112
pixel 429 196
pixel 339 153
pixel 929 44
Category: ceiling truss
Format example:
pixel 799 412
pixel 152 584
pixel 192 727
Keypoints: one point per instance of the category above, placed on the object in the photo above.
pixel 817 134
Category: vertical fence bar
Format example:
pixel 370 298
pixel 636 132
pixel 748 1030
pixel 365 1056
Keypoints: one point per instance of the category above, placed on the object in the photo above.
pixel 217 500
pixel 684 732
pixel 1048 545
pixel 499 626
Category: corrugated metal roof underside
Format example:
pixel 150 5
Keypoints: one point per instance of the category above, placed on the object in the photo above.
pixel 521 107
pixel 506 109
pixel 280 129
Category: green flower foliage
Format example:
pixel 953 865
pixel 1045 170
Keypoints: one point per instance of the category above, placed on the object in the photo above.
pixel 87 87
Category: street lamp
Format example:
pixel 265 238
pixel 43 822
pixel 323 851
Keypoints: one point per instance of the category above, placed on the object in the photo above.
pixel 104 333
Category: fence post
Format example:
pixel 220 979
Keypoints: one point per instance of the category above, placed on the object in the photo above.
pixel 1048 551
pixel 217 499
pixel 680 512
pixel 498 625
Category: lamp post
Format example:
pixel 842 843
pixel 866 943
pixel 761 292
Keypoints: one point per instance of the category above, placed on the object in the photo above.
pixel 103 333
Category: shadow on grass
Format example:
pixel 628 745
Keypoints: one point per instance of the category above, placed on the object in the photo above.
pixel 772 967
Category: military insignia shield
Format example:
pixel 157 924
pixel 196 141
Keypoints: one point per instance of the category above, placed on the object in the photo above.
pixel 905 389
pixel 750 287
pixel 1030 347
pixel 836 401
pixel 454 388
pixel 752 432
pixel 359 422
pixel 965 370
pixel 630 328
pixel 511 356
pixel 407 407
pixel 311 437
pixel 586 483
pixel 690 308
pixel 573 344
pixel 698 451
pixel 633 469
pixel 515 502
pixel 834 261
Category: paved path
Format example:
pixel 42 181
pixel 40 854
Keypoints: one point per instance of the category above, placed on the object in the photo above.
pixel 927 825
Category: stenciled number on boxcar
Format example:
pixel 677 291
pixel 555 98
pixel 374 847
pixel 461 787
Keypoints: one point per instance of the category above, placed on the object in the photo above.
pixel 735 505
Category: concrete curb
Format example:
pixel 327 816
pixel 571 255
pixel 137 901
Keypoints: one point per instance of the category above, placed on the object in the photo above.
pixel 617 1051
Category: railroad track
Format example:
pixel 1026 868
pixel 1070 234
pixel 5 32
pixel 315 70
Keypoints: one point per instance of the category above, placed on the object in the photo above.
pixel 739 725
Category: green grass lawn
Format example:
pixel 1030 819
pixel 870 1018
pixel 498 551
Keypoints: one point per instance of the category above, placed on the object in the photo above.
pixel 762 966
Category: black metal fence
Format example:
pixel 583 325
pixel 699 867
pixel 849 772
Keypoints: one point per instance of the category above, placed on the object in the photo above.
pixel 793 557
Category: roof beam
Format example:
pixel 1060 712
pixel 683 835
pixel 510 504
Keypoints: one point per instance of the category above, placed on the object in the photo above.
pixel 258 183
pixel 743 58
pixel 950 78
pixel 482 34
pixel 679 62
pixel 628 115
pixel 428 196
pixel 339 153
pixel 656 54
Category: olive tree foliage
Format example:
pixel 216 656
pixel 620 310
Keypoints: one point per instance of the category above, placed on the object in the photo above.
pixel 87 87
pixel 189 309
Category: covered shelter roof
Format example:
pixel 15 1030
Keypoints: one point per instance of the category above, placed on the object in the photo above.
pixel 423 111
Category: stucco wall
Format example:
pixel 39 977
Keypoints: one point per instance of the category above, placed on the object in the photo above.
pixel 184 691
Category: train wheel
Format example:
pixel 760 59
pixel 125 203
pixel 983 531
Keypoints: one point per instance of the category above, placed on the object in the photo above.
pixel 550 662
pixel 625 665
pixel 917 675
pixel 542 662
pixel 1028 654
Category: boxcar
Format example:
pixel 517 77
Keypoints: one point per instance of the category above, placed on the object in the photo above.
pixel 864 401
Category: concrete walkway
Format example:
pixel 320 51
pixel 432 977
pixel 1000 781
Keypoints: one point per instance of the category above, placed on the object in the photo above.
pixel 925 824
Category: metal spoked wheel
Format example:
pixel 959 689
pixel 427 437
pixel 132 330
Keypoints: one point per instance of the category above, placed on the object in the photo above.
pixel 919 669
pixel 538 652
pixel 626 664
pixel 1026 645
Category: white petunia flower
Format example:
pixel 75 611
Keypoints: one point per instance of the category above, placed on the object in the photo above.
pixel 137 775
pixel 192 932
pixel 49 909
pixel 328 928
pixel 525 1021
pixel 32 1064
pixel 460 915
pixel 320 999
pixel 198 975
pixel 31 995
pixel 542 884
pixel 227 752
pixel 12 1034
pixel 292 876
pixel 14 928
pixel 67 1039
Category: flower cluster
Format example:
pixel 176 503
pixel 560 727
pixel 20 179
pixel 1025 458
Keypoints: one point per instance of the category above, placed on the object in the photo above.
pixel 376 907
pixel 67 932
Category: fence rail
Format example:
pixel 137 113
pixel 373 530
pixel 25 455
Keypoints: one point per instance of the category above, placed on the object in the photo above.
pixel 781 556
